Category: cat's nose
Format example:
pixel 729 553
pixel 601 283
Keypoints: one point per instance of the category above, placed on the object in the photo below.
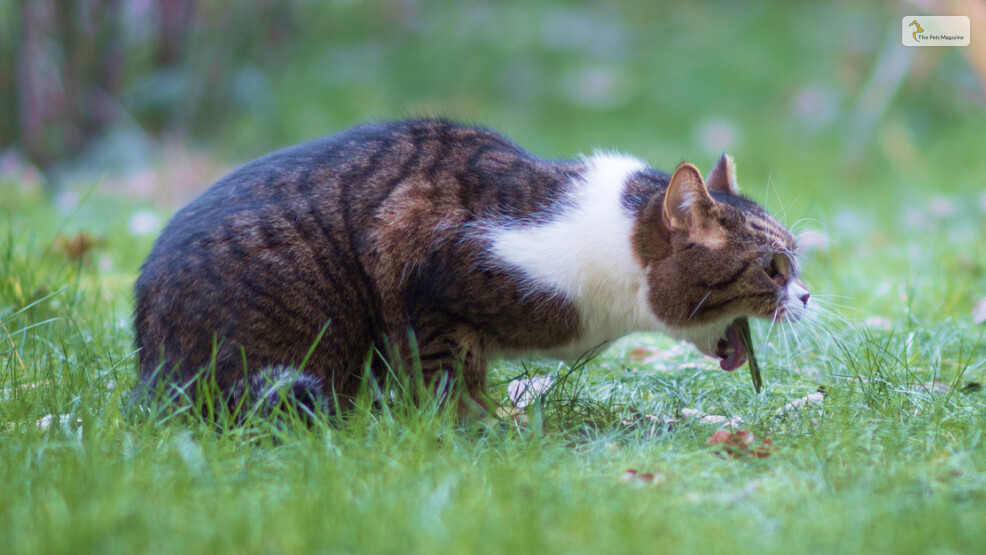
pixel 799 291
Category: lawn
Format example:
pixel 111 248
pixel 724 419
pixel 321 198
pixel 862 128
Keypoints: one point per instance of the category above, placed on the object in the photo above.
pixel 887 459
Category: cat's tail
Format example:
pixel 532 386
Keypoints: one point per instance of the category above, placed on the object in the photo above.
pixel 281 389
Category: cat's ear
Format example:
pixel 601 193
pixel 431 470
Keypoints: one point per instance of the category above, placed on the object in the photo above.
pixel 722 178
pixel 686 198
pixel 688 207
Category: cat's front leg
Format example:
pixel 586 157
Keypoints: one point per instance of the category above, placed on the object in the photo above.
pixel 452 361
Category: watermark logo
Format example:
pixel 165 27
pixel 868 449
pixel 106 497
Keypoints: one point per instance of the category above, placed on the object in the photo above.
pixel 935 30
pixel 919 30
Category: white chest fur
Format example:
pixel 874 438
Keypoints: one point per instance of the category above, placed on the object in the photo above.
pixel 586 255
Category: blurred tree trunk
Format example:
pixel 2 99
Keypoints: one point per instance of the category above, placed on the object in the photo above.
pixel 69 64
pixel 9 25
pixel 65 64
pixel 176 18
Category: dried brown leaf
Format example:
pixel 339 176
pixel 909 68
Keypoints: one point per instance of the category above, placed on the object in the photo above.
pixel 640 479
pixel 646 355
pixel 77 246
pixel 508 413
pixel 739 444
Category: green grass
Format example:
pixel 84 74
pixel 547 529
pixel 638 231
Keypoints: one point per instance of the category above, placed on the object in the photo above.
pixel 879 466
pixel 882 465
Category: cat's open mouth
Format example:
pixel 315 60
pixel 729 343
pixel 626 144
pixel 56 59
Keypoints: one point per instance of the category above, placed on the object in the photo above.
pixel 731 349
pixel 737 348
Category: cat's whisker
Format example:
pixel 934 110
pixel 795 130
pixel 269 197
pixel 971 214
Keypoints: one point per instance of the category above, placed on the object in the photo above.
pixel 699 305
pixel 805 221
pixel 797 352
pixel 823 314
pixel 766 337
pixel 830 300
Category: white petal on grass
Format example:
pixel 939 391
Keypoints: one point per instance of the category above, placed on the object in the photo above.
pixel 64 420
pixel 716 419
pixel 808 400
pixel 523 391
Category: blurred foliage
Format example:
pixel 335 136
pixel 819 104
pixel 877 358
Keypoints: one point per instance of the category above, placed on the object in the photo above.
pixel 781 85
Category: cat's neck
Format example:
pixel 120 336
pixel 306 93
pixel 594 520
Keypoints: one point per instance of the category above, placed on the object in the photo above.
pixel 585 253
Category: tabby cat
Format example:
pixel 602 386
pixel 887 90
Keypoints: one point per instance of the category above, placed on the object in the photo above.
pixel 431 245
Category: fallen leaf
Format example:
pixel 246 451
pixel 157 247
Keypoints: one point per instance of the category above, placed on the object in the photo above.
pixel 741 443
pixel 523 391
pixel 640 479
pixel 78 246
pixel 711 418
pixel 736 439
pixel 645 355
pixel 515 414
pixel 652 421
pixel 815 398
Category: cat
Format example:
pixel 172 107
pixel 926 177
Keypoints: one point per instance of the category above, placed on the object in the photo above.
pixel 436 246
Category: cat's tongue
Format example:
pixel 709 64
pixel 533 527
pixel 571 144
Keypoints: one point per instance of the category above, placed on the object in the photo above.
pixel 737 355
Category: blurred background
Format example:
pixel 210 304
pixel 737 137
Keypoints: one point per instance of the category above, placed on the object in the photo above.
pixel 831 120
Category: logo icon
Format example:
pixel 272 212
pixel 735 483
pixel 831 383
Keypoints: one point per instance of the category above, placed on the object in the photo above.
pixel 919 30
pixel 935 30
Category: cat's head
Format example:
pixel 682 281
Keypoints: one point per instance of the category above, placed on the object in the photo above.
pixel 712 256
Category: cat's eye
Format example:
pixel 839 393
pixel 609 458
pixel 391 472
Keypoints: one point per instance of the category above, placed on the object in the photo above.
pixel 774 268
pixel 771 269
